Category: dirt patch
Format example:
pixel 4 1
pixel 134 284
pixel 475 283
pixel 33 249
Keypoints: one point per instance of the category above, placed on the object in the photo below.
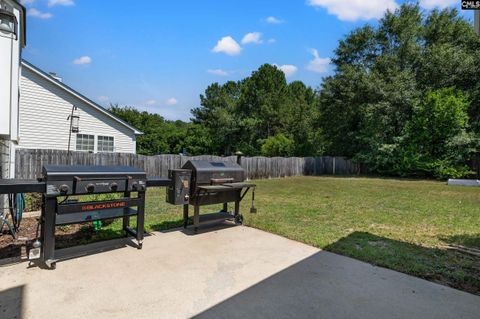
pixel 66 236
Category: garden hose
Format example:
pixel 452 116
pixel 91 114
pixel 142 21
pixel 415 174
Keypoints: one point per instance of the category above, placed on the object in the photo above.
pixel 19 209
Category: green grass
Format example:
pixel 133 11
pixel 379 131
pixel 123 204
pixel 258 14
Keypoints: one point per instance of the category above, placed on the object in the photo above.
pixel 399 224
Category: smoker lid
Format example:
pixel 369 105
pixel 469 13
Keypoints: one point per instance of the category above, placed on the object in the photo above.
pixel 90 170
pixel 209 166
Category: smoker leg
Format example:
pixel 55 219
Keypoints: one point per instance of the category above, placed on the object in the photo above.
pixel 48 231
pixel 196 217
pixel 185 215
pixel 236 213
pixel 225 207
pixel 237 208
pixel 140 220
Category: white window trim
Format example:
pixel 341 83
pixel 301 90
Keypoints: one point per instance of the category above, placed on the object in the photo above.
pixel 96 143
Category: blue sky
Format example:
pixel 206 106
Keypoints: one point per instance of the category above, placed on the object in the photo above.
pixel 160 56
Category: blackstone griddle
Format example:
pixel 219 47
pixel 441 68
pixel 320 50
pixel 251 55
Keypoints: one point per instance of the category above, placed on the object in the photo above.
pixel 58 182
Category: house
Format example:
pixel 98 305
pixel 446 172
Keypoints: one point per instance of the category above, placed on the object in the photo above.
pixel 39 111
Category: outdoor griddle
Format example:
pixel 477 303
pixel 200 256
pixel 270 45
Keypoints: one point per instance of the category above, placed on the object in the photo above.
pixel 59 182
pixel 15 186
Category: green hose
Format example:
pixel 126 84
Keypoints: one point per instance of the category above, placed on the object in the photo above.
pixel 19 209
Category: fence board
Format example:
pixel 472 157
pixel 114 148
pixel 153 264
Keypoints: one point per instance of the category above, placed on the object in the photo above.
pixel 29 163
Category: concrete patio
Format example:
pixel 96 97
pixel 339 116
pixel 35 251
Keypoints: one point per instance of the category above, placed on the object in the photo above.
pixel 227 272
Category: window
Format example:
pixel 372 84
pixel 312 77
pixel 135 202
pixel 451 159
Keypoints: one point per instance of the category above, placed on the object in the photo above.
pixel 105 144
pixel 85 142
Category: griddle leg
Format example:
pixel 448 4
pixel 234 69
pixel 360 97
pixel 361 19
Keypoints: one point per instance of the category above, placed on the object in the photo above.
pixel 225 208
pixel 185 216
pixel 48 231
pixel 126 218
pixel 196 217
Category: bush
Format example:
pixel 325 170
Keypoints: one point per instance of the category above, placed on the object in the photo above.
pixel 278 145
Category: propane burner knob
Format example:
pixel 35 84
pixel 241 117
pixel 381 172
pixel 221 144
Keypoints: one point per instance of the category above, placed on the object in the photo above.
pixel 113 186
pixel 134 186
pixel 90 188
pixel 63 188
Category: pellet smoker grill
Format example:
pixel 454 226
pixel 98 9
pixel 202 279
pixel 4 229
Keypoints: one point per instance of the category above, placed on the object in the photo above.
pixel 201 182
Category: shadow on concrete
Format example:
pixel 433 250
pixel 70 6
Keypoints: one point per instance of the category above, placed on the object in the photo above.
pixel 91 249
pixel 11 303
pixel 209 227
pixel 328 285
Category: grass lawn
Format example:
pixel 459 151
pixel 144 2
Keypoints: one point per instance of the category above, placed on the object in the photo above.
pixel 399 224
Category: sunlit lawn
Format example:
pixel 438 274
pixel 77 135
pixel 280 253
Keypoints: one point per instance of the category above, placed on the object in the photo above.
pixel 399 224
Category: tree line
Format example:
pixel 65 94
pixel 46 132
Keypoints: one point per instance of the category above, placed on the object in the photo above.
pixel 404 98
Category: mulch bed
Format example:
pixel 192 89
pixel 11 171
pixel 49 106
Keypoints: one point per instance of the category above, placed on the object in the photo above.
pixel 66 236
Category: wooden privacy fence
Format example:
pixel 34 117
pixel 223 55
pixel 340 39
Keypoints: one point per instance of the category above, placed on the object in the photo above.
pixel 29 162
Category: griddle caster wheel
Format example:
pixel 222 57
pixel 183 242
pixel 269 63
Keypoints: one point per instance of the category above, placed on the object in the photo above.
pixel 51 265
pixel 239 219
pixel 140 245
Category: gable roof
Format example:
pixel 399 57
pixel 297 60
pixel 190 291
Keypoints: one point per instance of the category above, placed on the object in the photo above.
pixel 71 91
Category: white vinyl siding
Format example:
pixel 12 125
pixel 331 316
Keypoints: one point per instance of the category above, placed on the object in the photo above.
pixel 44 109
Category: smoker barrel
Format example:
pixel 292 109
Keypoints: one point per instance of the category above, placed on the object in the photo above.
pixel 211 182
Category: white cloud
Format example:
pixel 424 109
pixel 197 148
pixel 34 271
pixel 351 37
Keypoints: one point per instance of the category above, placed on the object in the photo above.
pixel 273 20
pixel 52 3
pixel 228 46
pixel 27 2
pixel 288 69
pixel 252 37
pixel 355 9
pixel 83 60
pixel 151 102
pixel 318 64
pixel 103 98
pixel 38 14
pixel 172 101
pixel 218 72
pixel 272 40
pixel 441 4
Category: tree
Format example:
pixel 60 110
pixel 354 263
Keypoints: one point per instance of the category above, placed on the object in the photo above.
pixel 385 75
pixel 242 115
pixel 161 136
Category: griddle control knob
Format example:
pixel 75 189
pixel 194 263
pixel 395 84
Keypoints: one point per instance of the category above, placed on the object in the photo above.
pixel 63 189
pixel 134 186
pixel 113 186
pixel 90 188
